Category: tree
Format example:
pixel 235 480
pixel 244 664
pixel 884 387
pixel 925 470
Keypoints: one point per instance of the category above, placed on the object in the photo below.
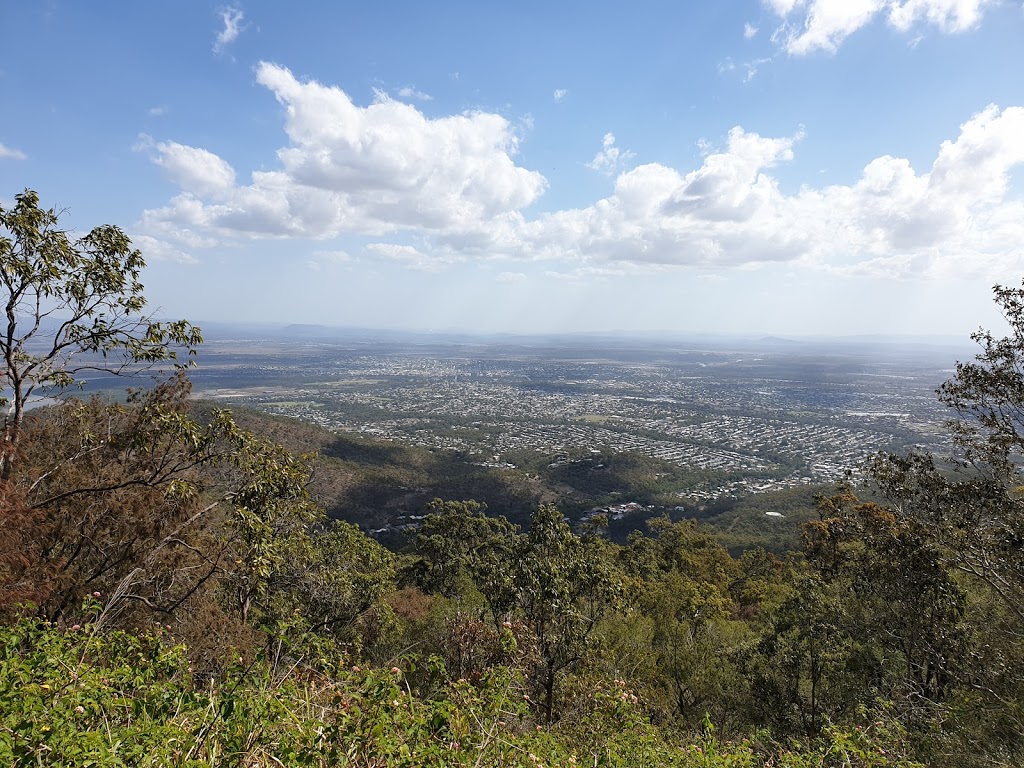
pixel 685 596
pixel 70 305
pixel 972 505
pixel 140 500
pixel 899 593
pixel 334 575
pixel 458 541
pixel 964 514
pixel 563 585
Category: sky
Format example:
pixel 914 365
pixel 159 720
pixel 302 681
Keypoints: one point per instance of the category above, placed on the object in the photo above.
pixel 782 167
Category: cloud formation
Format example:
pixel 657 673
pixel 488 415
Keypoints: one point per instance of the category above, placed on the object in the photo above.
pixel 232 19
pixel 956 218
pixel 452 186
pixel 351 169
pixel 560 93
pixel 610 158
pixel 409 92
pixel 748 68
pixel 812 25
pixel 10 153
pixel 154 249
pixel 196 171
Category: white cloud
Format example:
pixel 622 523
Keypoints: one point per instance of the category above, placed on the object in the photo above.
pixel 452 186
pixel 196 171
pixel 724 213
pixel 749 31
pixel 232 18
pixel 811 25
pixel 351 169
pixel 560 93
pixel 748 68
pixel 409 92
pixel 610 158
pixel 949 16
pixel 158 250
pixel 10 153
pixel 753 66
pixel 511 278
pixel 959 217
pixel 158 111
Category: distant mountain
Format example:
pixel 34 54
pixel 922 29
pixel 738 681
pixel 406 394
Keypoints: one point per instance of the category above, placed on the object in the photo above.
pixel 778 341
pixel 601 344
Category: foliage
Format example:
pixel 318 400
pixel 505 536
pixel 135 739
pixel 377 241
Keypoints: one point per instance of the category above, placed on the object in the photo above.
pixel 144 504
pixel 973 507
pixel 458 541
pixel 84 696
pixel 71 306
pixel 965 515
pixel 561 585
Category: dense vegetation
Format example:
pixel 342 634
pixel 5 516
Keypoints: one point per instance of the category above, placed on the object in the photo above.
pixel 172 594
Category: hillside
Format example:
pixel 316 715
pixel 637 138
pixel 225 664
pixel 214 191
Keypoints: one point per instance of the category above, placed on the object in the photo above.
pixel 383 486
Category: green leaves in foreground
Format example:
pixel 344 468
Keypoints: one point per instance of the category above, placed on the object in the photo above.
pixel 79 696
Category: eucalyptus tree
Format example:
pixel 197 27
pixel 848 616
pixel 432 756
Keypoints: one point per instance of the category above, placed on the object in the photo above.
pixel 70 305
pixel 971 504
pixel 562 586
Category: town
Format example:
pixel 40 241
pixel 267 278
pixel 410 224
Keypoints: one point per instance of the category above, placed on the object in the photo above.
pixel 744 420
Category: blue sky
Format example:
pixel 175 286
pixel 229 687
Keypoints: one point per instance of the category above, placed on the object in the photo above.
pixel 791 167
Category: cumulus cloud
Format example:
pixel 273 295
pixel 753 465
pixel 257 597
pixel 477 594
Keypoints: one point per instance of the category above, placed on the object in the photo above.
pixel 749 31
pixel 722 213
pixel 196 171
pixel 610 158
pixel 232 18
pixel 560 93
pixel 351 169
pixel 10 153
pixel 958 216
pixel 811 25
pixel 452 186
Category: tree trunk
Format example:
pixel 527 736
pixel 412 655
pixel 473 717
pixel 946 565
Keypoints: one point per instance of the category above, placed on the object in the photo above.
pixel 549 695
pixel 12 432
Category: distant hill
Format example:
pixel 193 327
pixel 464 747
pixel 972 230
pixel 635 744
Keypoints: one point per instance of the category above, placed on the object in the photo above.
pixel 380 484
pixel 777 341
pixel 214 330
